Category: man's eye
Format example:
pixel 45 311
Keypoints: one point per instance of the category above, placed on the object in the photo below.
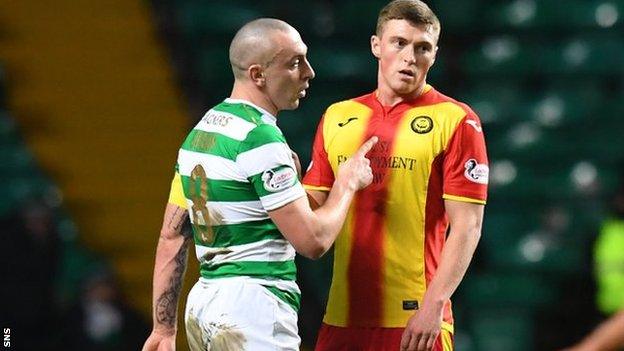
pixel 295 64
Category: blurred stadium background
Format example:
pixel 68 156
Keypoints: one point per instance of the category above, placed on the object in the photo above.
pixel 95 98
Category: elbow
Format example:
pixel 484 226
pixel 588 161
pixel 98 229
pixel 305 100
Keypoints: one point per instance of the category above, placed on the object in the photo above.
pixel 313 252
pixel 314 249
pixel 317 252
pixel 474 231
pixel 469 231
pixel 168 234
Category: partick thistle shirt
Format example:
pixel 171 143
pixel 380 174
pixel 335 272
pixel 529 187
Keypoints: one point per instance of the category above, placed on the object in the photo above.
pixel 430 149
pixel 233 167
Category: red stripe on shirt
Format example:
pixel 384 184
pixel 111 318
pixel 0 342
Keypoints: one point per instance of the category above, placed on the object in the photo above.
pixel 365 272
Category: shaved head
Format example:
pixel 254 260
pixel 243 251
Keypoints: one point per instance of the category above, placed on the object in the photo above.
pixel 255 43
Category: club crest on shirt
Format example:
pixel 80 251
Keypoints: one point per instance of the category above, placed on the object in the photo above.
pixel 476 172
pixel 422 124
pixel 279 178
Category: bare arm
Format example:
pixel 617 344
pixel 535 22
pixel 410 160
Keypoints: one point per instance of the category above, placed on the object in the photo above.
pixel 169 267
pixel 317 198
pixel 465 221
pixel 312 232
pixel 609 335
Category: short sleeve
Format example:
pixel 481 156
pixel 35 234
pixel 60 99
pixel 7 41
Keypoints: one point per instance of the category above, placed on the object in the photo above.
pixel 266 161
pixel 319 175
pixel 465 167
pixel 176 194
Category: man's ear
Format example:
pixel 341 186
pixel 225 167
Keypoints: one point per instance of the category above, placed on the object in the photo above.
pixel 256 75
pixel 375 49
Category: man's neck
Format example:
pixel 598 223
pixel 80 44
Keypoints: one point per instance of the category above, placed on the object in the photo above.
pixel 241 91
pixel 388 97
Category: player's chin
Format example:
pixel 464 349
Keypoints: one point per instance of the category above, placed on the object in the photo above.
pixel 292 105
pixel 297 98
pixel 403 88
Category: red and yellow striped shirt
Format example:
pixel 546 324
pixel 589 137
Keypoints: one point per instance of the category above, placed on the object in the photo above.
pixel 430 149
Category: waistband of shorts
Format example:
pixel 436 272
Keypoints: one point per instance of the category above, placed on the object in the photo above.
pixel 287 285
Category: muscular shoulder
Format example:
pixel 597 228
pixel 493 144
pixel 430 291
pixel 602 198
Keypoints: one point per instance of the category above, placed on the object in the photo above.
pixel 451 107
pixel 447 115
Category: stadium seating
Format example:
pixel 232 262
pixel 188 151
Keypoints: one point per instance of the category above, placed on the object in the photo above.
pixel 22 180
pixel 546 79
pixel 549 15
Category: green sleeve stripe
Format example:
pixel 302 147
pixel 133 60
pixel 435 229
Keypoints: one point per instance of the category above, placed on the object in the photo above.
pixel 284 270
pixel 222 190
pixel 211 143
pixel 243 111
pixel 291 298
pixel 262 134
pixel 258 184
pixel 241 233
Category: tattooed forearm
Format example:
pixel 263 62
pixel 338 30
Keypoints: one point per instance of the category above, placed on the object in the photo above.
pixel 177 218
pixel 167 303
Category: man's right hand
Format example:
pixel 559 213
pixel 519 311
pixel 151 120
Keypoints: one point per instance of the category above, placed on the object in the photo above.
pixel 356 171
pixel 160 342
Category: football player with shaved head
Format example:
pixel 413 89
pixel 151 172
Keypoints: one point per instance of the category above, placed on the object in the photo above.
pixel 236 183
pixel 410 236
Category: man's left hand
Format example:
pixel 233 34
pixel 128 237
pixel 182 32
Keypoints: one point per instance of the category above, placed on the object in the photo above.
pixel 422 329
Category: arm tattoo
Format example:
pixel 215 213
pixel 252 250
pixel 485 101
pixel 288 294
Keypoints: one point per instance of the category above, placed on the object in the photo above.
pixel 167 303
pixel 180 220
pixel 177 218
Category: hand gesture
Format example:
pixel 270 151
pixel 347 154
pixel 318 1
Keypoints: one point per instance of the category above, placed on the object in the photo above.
pixel 356 171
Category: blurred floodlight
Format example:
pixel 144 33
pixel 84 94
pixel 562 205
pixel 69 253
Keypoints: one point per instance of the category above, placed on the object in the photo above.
pixel 532 248
pixel 549 111
pixel 503 172
pixel 521 11
pixel 606 15
pixel 576 52
pixel 583 174
pixel 524 134
pixel 500 49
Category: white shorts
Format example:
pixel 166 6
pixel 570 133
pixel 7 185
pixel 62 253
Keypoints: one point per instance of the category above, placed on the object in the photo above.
pixel 229 314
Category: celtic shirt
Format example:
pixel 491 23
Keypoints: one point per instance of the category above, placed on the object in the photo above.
pixel 233 167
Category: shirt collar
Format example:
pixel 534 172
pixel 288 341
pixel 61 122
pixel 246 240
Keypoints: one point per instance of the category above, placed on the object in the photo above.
pixel 266 116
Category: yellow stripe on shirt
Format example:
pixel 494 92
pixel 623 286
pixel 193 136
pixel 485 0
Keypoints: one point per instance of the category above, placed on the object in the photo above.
pixel 319 188
pixel 463 199
pixel 176 195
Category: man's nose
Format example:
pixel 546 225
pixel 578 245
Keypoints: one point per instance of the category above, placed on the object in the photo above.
pixel 309 72
pixel 410 57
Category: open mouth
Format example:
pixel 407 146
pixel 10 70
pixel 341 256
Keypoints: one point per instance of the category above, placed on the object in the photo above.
pixel 407 73
pixel 302 92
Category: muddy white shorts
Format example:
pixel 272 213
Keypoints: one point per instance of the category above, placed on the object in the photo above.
pixel 231 314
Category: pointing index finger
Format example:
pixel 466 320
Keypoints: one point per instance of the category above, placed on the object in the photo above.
pixel 366 147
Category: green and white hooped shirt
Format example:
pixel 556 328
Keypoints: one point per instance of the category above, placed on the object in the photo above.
pixel 233 167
